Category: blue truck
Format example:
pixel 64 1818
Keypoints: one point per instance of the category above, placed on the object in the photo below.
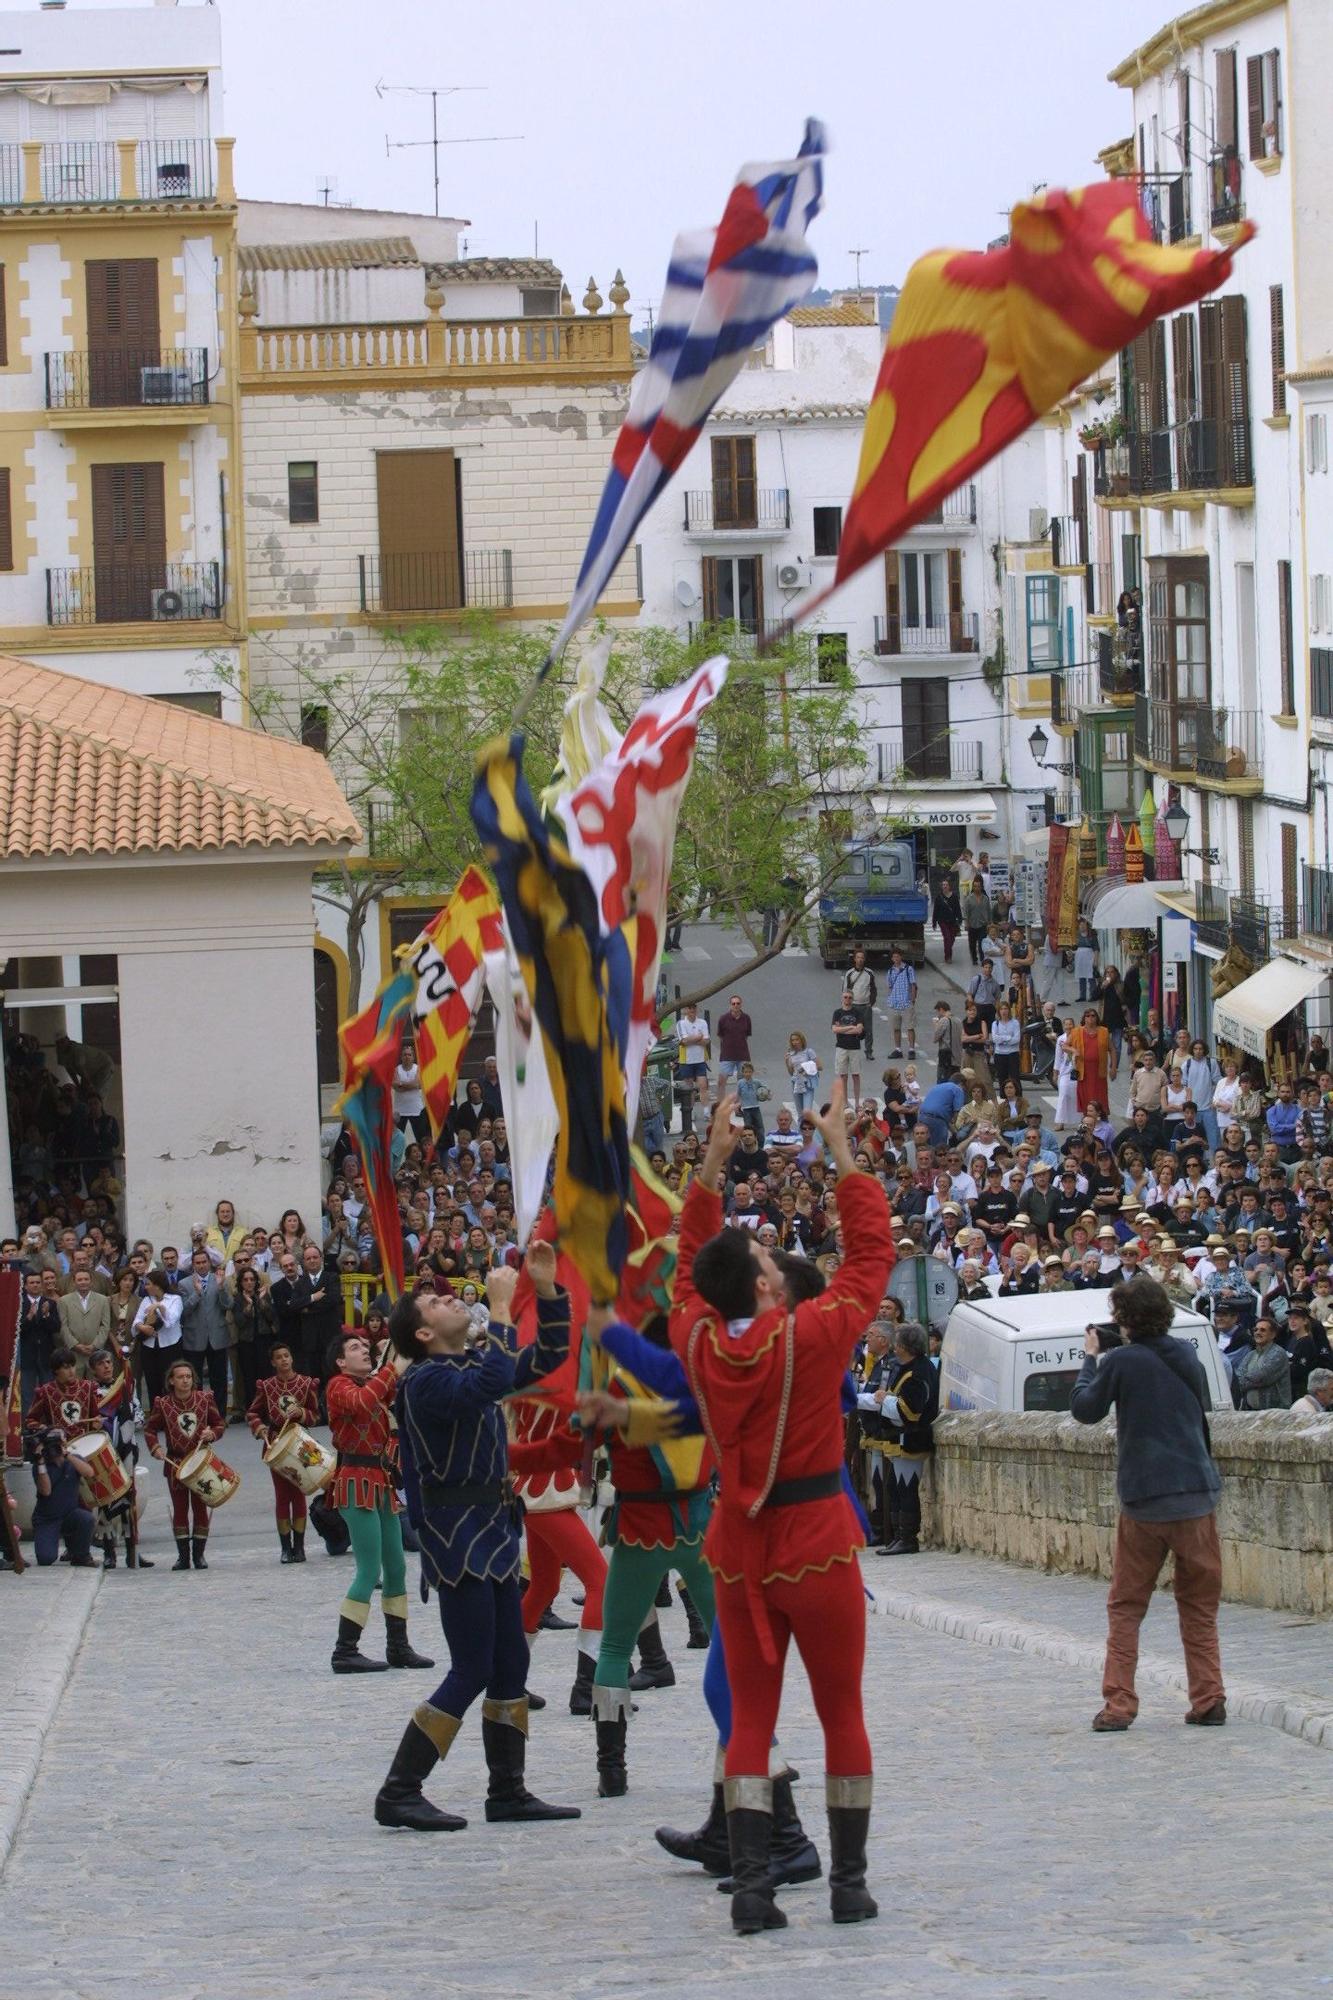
pixel 875 903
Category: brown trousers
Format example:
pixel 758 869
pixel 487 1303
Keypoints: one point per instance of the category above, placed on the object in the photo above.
pixel 1141 1547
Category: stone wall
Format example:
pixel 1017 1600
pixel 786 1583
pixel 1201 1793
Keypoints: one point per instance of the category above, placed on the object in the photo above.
pixel 1040 1490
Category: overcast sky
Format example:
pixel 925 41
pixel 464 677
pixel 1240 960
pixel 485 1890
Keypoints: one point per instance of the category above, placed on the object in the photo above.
pixel 635 117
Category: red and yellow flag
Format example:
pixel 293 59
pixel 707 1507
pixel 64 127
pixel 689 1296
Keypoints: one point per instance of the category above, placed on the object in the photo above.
pixel 446 962
pixel 983 342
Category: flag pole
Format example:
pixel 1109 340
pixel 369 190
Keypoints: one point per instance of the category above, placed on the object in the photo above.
pixel 529 694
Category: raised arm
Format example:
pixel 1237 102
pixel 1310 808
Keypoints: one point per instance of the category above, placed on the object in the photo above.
pixel 842 1312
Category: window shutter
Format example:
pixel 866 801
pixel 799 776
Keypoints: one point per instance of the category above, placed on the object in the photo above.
pixel 420 567
pixel 1254 90
pixel 954 562
pixel 1210 360
pixel 746 491
pixel 1286 640
pixel 757 570
pixel 4 322
pixel 1278 345
pixel 709 567
pixel 893 599
pixel 1235 453
pixel 1290 898
pixel 6 522
pixel 1226 99
pixel 724 502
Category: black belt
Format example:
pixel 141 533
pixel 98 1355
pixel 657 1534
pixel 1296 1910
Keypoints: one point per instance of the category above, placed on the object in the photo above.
pixel 436 1494
pixel 362 1458
pixel 818 1486
pixel 663 1492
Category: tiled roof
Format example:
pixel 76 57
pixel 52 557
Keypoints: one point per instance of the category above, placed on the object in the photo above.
pixel 1318 370
pixel 362 253
pixel 496 270
pixel 852 312
pixel 92 770
pixel 795 413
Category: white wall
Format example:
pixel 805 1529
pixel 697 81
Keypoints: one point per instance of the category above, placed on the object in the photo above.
pixel 114 40
pixel 435 237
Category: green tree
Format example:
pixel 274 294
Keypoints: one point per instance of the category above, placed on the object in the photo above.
pixel 778 772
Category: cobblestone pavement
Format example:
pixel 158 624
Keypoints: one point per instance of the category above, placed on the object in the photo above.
pixel 201 1822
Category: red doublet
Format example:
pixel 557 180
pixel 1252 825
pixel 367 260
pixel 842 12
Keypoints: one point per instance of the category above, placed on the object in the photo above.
pixel 73 1411
pixel 181 1426
pixel 771 1408
pixel 539 1456
pixel 359 1421
pixel 277 1402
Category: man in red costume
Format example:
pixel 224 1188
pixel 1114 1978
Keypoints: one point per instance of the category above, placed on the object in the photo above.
pixel 783 1539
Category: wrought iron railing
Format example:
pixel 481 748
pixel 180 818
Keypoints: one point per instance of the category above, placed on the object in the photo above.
pixel 128 378
pixel 739 634
pixel 132 593
pixel 1068 541
pixel 98 170
pixel 1167 735
pixel 175 169
pixel 1212 915
pixel 1252 927
pixel 1228 743
pixel 1119 663
pixel 1225 205
pixel 954 632
pixel 80 170
pixel 957 509
pixel 720 510
pixel 916 756
pixel 437 580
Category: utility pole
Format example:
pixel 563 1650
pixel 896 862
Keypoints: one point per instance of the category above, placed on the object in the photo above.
pixel 435 92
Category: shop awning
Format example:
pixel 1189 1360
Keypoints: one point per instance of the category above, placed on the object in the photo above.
pixel 1116 905
pixel 1037 842
pixel 939 808
pixel 1176 898
pixel 1245 1014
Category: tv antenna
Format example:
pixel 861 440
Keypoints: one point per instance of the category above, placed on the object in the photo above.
pixel 435 92
pixel 858 254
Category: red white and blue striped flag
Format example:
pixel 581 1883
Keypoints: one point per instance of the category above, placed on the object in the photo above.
pixel 725 288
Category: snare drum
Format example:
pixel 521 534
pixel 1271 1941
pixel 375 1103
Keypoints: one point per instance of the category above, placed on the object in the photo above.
pixel 102 1476
pixel 301 1459
pixel 209 1476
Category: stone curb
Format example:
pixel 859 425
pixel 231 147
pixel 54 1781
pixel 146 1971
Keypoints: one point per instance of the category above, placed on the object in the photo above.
pixel 1275 1708
pixel 46 1663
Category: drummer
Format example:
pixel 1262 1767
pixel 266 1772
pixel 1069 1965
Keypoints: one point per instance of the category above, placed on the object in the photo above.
pixel 185 1417
pixel 65 1404
pixel 282 1398
pixel 121 1419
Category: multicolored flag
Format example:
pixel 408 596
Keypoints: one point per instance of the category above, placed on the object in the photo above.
pixel 724 289
pixel 620 823
pixel 983 342
pixel 578 983
pixel 531 1116
pixel 448 963
pixel 371 1044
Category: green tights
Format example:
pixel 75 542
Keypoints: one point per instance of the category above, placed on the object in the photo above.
pixel 631 1585
pixel 377 1544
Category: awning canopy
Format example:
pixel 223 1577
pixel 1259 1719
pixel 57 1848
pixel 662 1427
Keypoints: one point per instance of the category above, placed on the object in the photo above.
pixel 1116 905
pixel 1176 898
pixel 1245 1014
pixel 938 808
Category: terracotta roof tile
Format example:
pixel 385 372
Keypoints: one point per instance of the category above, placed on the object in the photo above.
pixel 853 312
pixel 93 770
pixel 495 270
pixel 359 253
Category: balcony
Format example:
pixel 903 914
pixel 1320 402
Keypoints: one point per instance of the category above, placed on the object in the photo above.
pixel 1212 915
pixel 1228 745
pixel 390 836
pixel 1099 596
pixel 1166 737
pixel 958 632
pixel 432 351
pixel 1253 925
pixel 1119 666
pixel 953 760
pixel 135 378
pixel 134 593
pixel 765 510
pixel 436 581
pixel 1225 207
pixel 1068 542
pixel 77 172
pixel 1201 455
pixel 957 510
pixel 735 635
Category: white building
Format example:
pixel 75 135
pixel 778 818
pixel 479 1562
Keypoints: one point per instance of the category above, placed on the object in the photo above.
pixel 749 531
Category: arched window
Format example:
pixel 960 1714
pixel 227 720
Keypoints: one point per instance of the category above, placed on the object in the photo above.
pixel 326 1017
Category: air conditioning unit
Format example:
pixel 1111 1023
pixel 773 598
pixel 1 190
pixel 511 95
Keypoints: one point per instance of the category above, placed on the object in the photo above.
pixel 793 576
pixel 1039 524
pixel 167 385
pixel 188 601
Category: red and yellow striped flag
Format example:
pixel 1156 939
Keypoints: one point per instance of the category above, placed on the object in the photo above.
pixel 446 961
pixel 983 342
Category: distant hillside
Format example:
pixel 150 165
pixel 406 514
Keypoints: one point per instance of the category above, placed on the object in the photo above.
pixel 886 296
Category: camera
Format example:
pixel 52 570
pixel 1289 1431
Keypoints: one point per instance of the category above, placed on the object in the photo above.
pixel 43 1447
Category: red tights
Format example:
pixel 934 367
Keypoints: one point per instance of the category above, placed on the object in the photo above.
pixel 288 1503
pixel 559 1541
pixel 183 1504
pixel 826 1615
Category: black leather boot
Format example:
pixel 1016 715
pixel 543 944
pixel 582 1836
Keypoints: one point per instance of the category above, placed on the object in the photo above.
pixel 708 1847
pixel 504 1735
pixel 400 1800
pixel 200 1560
pixel 698 1640
pixel 655 1669
pixel 298 1545
pixel 347 1655
pixel 662 1599
pixel 285 1537
pixel 848 1826
pixel 397 1649
pixel 610 1708
pixel 580 1695
pixel 793 1856
pixel 182 1552
pixel 108 1548
pixel 749 1804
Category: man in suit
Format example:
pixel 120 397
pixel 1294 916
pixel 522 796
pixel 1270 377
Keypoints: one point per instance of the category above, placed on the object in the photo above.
pixel 205 1335
pixel 319 1295
pixel 85 1316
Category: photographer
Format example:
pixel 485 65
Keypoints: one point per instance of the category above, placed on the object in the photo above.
pixel 59 1513
pixel 1168 1487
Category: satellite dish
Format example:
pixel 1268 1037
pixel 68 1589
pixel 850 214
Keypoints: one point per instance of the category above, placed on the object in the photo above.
pixel 926 1289
pixel 686 594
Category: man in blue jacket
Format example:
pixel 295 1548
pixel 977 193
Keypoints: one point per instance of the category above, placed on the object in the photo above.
pixel 1168 1487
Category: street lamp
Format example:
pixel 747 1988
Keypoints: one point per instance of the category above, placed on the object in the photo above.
pixel 1177 823
pixel 1039 743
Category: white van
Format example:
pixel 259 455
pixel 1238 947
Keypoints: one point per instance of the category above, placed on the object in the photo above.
pixel 1026 1353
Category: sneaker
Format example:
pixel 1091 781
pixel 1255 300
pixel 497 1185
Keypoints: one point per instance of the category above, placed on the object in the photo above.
pixel 1209 1718
pixel 1105 1723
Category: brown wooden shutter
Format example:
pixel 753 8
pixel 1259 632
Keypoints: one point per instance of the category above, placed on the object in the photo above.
pixel 709 569
pixel 757 573
pixel 893 601
pixel 4 322
pixel 1278 347
pixel 1254 88
pixel 1286 640
pixel 1290 894
pixel 954 566
pixel 124 333
pixel 1235 455
pixel 129 540
pixel 420 567
pixel 735 495
pixel 925 708
pixel 6 522
pixel 1210 360
pixel 1226 99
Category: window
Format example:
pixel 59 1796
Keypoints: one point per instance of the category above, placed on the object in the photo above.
pixel 1131 562
pixel 1220 453
pixel 124 333
pixel 831 653
pixel 1180 655
pixel 1278 347
pixel 1321 682
pixel 1321 603
pixel 6 522
pixel 1263 77
pixel 315 728
pixel 302 490
pixel 733 591
pixel 1043 618
pixel 1316 442
pixel 735 495
pixel 1286 640
pixel 540 302
pixel 1245 828
pixel 417 494
pixel 201 701
pixel 926 727
pixel 828 530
